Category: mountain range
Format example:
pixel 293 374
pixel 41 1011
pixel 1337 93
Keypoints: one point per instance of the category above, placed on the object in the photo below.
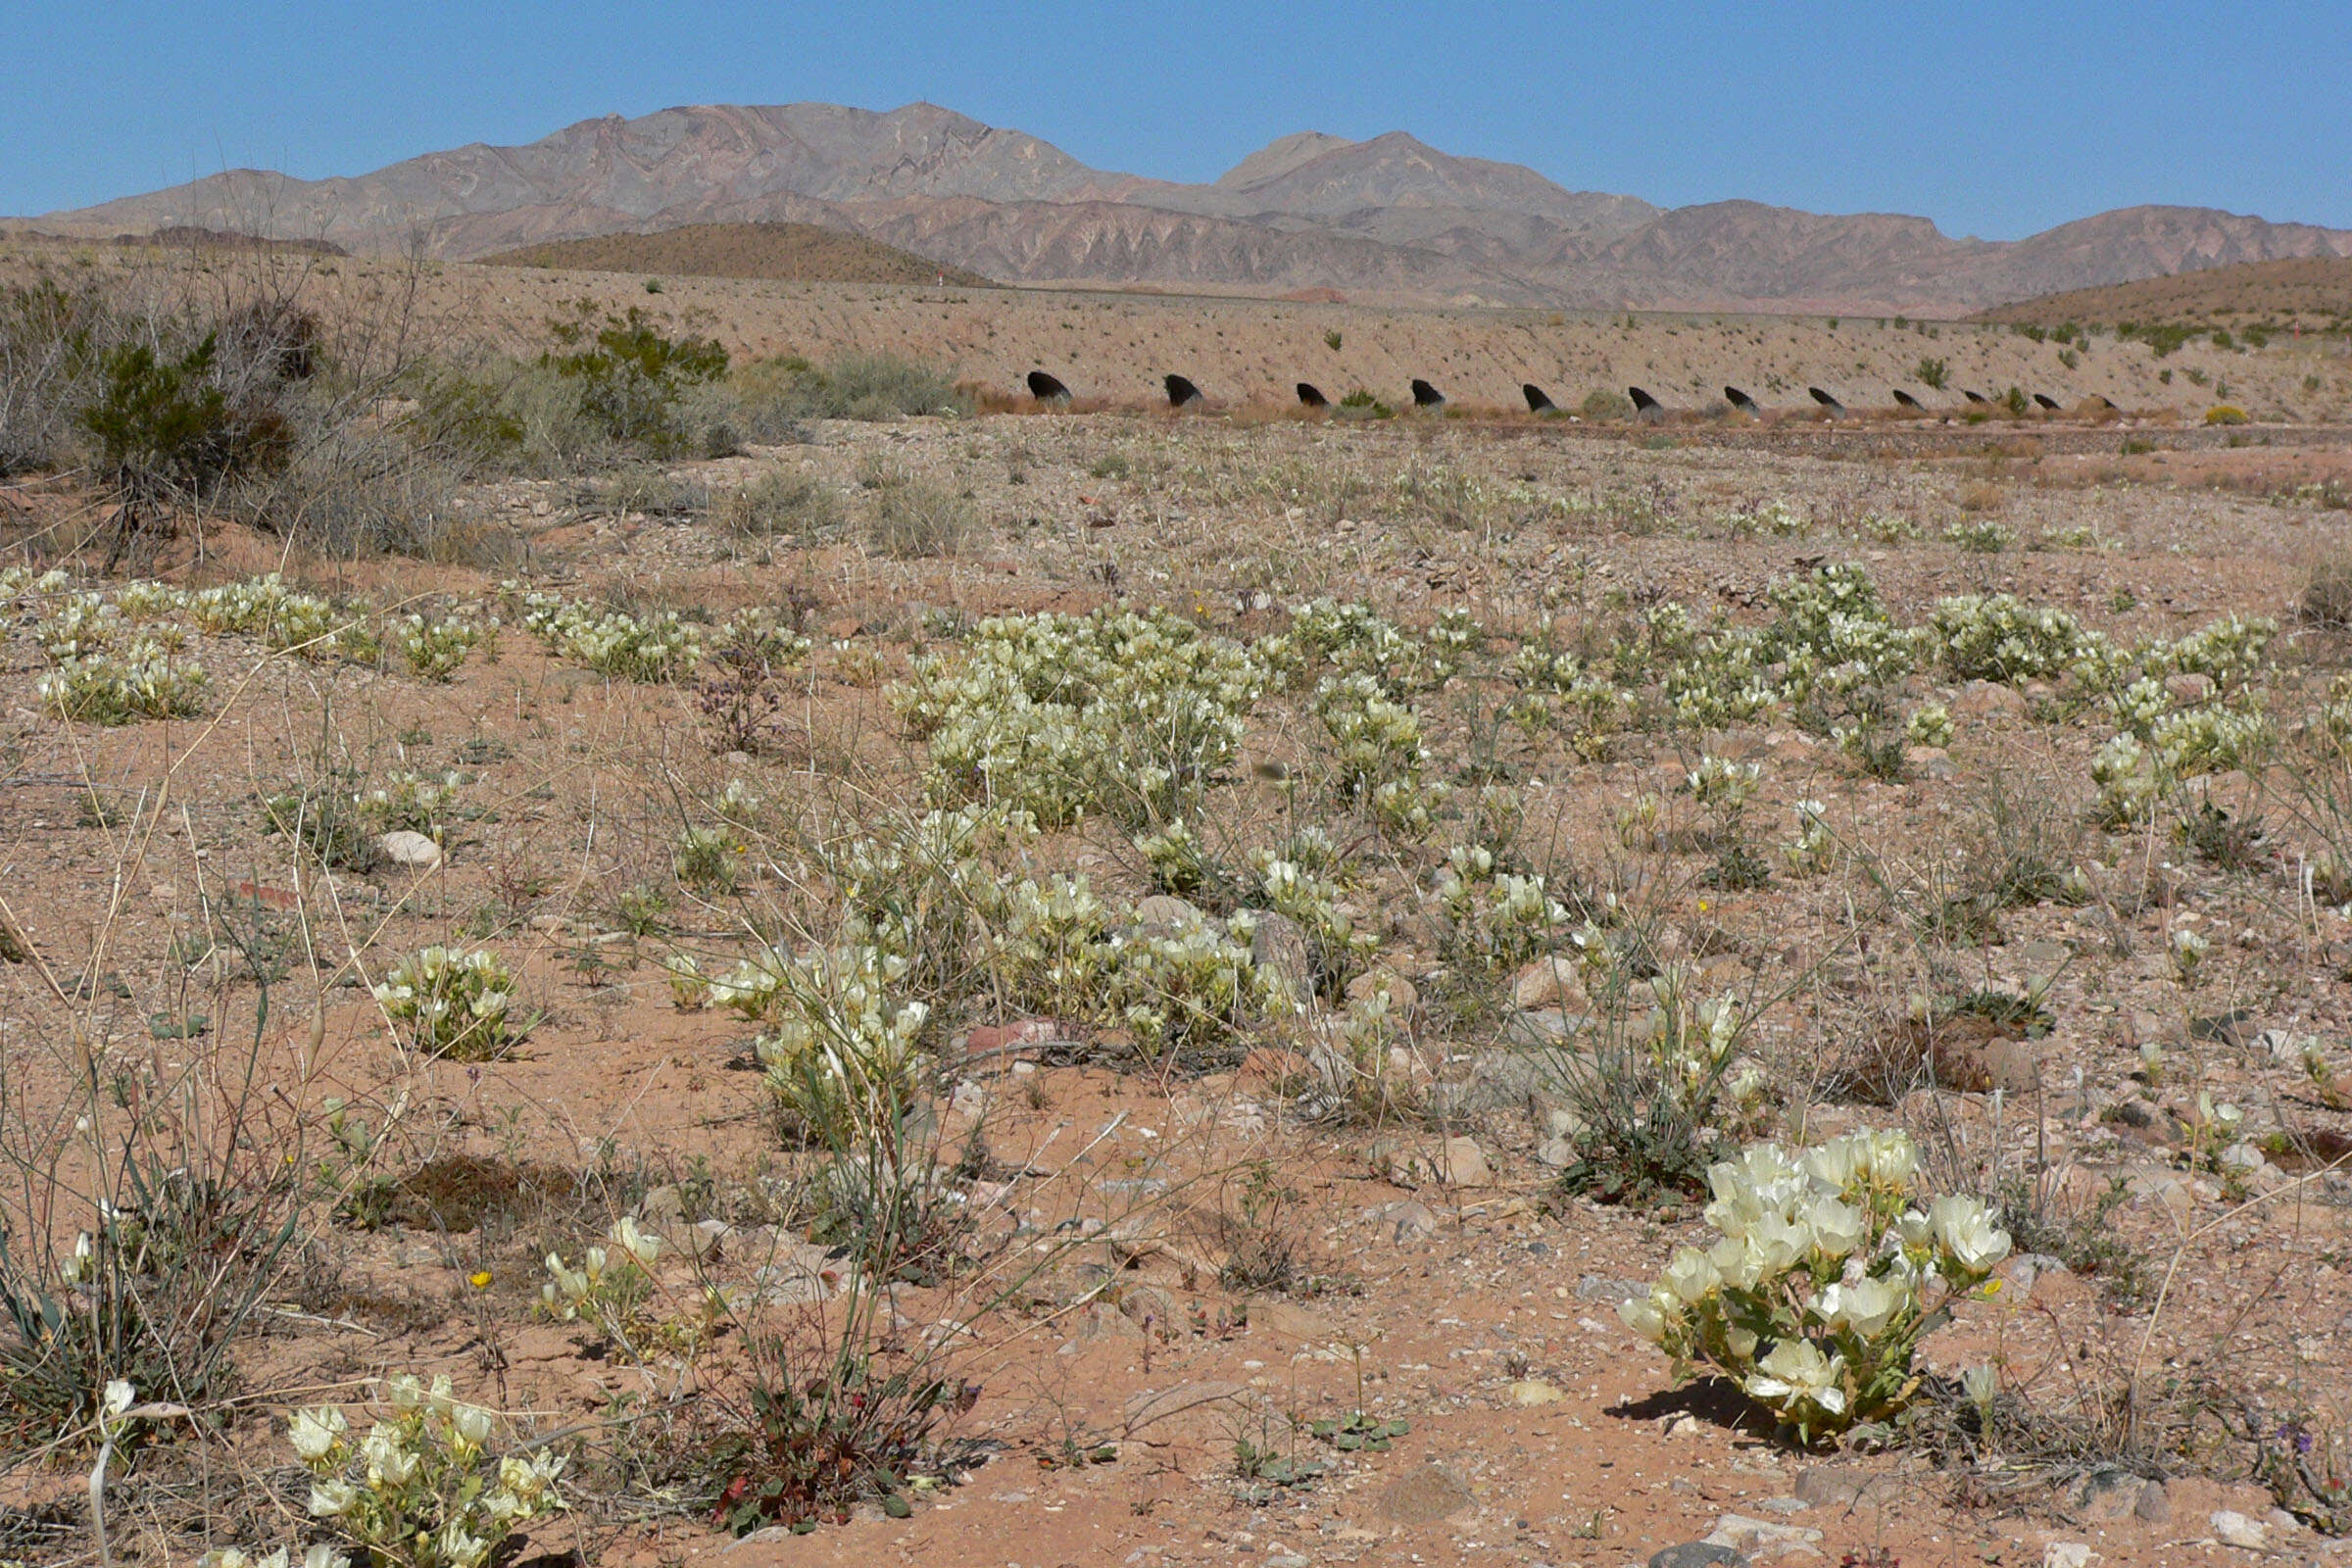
pixel 1390 218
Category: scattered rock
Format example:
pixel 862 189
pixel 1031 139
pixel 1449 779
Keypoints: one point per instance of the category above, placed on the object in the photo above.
pixel 1426 1495
pixel 1840 1486
pixel 1148 1305
pixel 1594 1288
pixel 1464 1163
pixel 2235 1529
pixel 2189 687
pixel 2107 1495
pixel 1020 1034
pixel 1549 982
pixel 1457 1162
pixel 413 849
pixel 1987 699
pixel 1541 1029
pixel 1372 982
pixel 1409 1222
pixel 1166 915
pixel 1696 1555
pixel 2234 1028
pixel 2284 1046
pixel 1291 1321
pixel 1535 1391
pixel 1098 1323
pixel 2155 1506
pixel 1150 1406
pixel 1762 1537
pixel 1279 945
pixel 1979 1067
pixel 1557 1153
pixel 1507 1079
pixel 2067 1555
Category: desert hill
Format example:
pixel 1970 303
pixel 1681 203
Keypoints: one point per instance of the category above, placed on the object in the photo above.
pixel 1390 217
pixel 2314 292
pixel 793 252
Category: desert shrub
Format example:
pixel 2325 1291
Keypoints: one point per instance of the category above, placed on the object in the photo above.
pixel 1605 405
pixel 453 1003
pixel 1832 1267
pixel 49 336
pixel 1932 372
pixel 857 386
pixel 631 375
pixel 652 493
pixel 2327 596
pixel 2225 414
pixel 740 691
pixel 916 519
pixel 774 504
pixel 165 426
pixel 422 1489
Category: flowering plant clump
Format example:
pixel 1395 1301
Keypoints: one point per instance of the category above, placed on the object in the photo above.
pixel 1174 856
pixel 421 1489
pixel 1330 636
pixel 842 1056
pixel 1060 715
pixel 142 681
pixel 2231 651
pixel 321 1555
pixel 80 626
pixel 1551 679
pixel 1813 848
pixel 435 650
pixel 921 890
pixel 412 801
pixel 2005 639
pixel 266 608
pixel 1375 740
pixel 1495 917
pixel 609 1288
pixel 1832 1267
pixel 1930 725
pixel 1301 882
pixel 657 646
pixel 453 1003
pixel 1055 949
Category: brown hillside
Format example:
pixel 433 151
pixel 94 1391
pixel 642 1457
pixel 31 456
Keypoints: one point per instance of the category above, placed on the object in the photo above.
pixel 800 253
pixel 2314 292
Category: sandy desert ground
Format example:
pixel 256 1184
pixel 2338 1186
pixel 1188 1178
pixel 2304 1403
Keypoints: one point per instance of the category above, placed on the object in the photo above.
pixel 1565 808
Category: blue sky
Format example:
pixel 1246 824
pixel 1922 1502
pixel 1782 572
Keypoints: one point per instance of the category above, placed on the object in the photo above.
pixel 1993 117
